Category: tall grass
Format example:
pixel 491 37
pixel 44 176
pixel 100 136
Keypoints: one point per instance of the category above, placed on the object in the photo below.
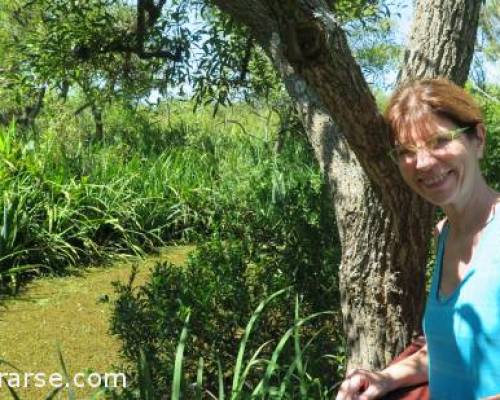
pixel 162 175
pixel 172 175
pixel 278 380
pixel 279 377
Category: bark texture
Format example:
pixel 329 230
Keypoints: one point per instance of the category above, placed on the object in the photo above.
pixel 384 229
pixel 381 288
pixel 441 42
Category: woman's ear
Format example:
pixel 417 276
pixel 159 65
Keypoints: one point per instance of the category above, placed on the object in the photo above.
pixel 481 139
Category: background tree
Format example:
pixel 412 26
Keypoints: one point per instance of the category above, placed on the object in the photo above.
pixel 22 94
pixel 98 48
pixel 488 43
pixel 490 26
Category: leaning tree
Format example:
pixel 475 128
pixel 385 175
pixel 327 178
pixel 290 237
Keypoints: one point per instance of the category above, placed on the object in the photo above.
pixel 384 228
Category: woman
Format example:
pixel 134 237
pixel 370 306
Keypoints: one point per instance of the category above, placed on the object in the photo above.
pixel 439 138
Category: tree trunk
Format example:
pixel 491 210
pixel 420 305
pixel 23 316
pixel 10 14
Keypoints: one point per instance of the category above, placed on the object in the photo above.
pixel 382 270
pixel 32 111
pixel 99 125
pixel 384 229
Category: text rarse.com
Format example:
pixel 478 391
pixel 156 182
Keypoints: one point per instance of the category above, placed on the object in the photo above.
pixel 56 380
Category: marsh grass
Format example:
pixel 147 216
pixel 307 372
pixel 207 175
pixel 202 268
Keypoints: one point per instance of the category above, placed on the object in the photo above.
pixel 173 176
pixel 161 176
pixel 277 380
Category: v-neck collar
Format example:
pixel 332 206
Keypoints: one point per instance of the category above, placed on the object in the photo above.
pixel 442 299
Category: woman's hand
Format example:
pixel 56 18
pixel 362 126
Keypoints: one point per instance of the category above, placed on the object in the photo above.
pixel 361 384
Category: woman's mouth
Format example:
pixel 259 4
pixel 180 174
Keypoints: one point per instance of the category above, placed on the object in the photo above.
pixel 435 181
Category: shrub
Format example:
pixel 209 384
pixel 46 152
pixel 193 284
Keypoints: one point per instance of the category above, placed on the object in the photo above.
pixel 491 162
pixel 290 243
pixel 254 375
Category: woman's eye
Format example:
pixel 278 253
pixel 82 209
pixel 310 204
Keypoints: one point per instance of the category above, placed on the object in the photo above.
pixel 441 141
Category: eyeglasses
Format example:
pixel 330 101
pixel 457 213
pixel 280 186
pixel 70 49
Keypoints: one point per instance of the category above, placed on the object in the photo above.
pixel 439 142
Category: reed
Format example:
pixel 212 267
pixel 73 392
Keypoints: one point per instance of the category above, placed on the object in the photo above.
pixel 165 175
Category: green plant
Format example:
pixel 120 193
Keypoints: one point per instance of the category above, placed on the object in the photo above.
pixel 491 162
pixel 222 283
pixel 85 202
pixel 258 373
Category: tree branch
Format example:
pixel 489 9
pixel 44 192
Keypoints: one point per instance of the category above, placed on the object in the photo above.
pixel 31 111
pixel 246 59
pixel 141 26
pixel 255 14
pixel 308 37
pixel 134 43
pixel 82 108
pixel 121 47
pixel 306 34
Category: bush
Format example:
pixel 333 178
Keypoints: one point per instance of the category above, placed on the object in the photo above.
pixel 491 162
pixel 290 243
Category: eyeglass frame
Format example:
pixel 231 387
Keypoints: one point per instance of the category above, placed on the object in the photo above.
pixel 449 136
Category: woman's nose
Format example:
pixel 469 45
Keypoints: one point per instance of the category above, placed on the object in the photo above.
pixel 424 158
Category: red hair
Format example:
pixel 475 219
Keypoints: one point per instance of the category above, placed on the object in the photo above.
pixel 414 106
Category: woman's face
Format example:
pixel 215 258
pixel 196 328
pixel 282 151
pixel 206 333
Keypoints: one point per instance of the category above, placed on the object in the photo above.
pixel 440 166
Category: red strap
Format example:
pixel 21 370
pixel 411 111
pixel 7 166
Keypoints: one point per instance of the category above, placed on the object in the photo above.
pixel 418 392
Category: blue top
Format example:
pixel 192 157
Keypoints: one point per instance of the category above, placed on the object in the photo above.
pixel 463 329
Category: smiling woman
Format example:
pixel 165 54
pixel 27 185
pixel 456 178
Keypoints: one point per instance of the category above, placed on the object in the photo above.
pixel 438 139
pixel 438 136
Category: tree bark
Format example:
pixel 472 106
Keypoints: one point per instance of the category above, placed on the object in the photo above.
pixel 383 255
pixel 99 125
pixel 442 39
pixel 384 229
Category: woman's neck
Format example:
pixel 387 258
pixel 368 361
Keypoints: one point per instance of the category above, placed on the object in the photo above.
pixel 474 213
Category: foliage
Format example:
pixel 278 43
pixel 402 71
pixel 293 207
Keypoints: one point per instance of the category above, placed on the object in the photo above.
pixel 74 43
pixel 487 47
pixel 279 233
pixel 374 46
pixel 491 110
pixel 113 49
pixel 490 27
pixel 275 377
pixel 164 175
pixel 170 174
pixel 216 335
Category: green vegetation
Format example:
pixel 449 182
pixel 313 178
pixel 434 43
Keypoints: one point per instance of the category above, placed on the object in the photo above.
pixel 261 217
pixel 91 170
pixel 272 377
pixel 167 175
pixel 491 162
pixel 219 288
pixel 68 311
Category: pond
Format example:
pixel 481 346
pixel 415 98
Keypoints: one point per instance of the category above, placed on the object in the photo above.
pixel 73 313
